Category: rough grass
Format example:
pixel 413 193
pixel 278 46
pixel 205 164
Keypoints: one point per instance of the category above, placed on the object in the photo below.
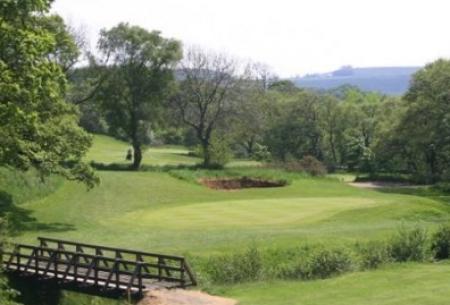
pixel 169 212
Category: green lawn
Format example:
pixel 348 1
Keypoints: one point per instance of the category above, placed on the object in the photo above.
pixel 155 211
pixel 408 284
pixel 108 150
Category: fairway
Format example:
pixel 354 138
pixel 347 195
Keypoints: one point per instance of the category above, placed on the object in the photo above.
pixel 156 211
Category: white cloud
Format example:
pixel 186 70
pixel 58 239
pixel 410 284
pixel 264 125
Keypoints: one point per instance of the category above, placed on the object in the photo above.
pixel 292 36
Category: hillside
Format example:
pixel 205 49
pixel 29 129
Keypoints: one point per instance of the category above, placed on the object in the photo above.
pixel 387 80
pixel 166 210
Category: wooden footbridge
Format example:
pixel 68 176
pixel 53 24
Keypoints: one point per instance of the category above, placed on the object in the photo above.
pixel 103 267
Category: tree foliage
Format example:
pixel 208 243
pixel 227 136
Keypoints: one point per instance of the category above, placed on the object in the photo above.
pixel 139 77
pixel 207 94
pixel 422 133
pixel 38 128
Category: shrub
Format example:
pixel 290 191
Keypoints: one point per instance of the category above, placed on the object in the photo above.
pixel 326 263
pixel 235 268
pixel 219 152
pixel 443 187
pixel 308 164
pixel 286 263
pixel 410 245
pixel 440 243
pixel 261 153
pixel 373 254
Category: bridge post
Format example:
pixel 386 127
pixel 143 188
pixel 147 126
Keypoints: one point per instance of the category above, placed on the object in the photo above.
pixel 159 269
pixel 140 277
pixel 75 266
pixel 96 260
pixel 55 263
pixel 116 272
pixel 36 263
pixel 182 275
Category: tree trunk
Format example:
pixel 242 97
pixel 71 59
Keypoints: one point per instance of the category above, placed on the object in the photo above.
pixel 206 154
pixel 137 157
pixel 251 146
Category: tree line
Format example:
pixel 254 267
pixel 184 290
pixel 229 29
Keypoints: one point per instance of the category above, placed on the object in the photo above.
pixel 147 89
pixel 155 92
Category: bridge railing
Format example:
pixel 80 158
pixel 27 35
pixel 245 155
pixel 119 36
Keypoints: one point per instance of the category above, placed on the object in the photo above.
pixel 117 272
pixel 161 260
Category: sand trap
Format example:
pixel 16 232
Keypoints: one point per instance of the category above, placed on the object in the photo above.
pixel 239 183
pixel 380 184
pixel 183 297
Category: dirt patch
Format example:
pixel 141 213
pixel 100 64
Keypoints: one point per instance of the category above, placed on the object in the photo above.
pixel 183 297
pixel 239 183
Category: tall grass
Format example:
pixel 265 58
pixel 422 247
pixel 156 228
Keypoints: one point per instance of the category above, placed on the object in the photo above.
pixel 308 262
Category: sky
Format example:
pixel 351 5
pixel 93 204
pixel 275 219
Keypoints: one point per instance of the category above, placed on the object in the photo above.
pixel 293 37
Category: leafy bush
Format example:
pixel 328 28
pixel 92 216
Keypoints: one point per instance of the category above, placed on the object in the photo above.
pixel 443 187
pixel 261 153
pixel 410 245
pixel 235 268
pixel 373 254
pixel 219 152
pixel 326 263
pixel 308 164
pixel 440 243
pixel 286 263
pixel 313 166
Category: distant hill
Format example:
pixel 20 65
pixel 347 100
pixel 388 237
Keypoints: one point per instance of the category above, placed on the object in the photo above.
pixel 387 80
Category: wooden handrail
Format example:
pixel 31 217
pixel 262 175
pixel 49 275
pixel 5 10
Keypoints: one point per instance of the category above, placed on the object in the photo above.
pixel 112 249
pixel 61 263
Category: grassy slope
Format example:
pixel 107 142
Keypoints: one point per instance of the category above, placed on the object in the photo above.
pixel 155 211
pixel 108 150
pixel 411 284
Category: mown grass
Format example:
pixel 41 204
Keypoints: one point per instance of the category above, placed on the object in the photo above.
pixel 111 151
pixel 155 211
pixel 411 284
pixel 168 211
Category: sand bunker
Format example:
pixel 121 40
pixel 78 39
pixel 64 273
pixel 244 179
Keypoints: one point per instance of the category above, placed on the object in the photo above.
pixel 239 183
pixel 381 184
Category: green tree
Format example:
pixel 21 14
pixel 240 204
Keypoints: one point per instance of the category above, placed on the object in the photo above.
pixel 38 128
pixel 140 75
pixel 296 132
pixel 361 112
pixel 333 126
pixel 423 133
pixel 207 95
pixel 252 114
pixel 66 50
pixel 284 86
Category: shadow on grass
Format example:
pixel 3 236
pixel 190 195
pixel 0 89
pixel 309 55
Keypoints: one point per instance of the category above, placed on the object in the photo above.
pixel 20 219
pixel 429 192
